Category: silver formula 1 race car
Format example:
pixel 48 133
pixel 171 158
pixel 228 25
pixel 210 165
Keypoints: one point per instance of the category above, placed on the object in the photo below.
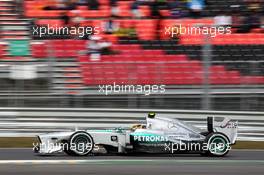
pixel 157 135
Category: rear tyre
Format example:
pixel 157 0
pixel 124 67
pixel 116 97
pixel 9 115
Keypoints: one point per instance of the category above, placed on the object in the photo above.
pixel 80 144
pixel 218 145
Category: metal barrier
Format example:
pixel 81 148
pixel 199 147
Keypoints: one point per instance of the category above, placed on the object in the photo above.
pixel 31 121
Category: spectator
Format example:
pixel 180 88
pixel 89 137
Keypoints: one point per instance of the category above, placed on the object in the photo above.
pixel 110 26
pixel 196 7
pixel 113 3
pixel 155 7
pixel 134 9
pixel 81 2
pixel 76 19
pixel 96 47
pixel 65 18
pixel 176 9
pixel 114 8
pixel 93 4
pixel 61 5
pixel 237 20
pixel 262 22
pixel 251 21
pixel 155 13
pixel 223 20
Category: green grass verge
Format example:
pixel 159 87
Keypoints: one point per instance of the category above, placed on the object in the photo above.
pixel 248 145
pixel 27 142
pixel 17 142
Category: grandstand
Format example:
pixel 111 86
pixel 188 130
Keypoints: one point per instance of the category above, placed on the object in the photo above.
pixel 225 72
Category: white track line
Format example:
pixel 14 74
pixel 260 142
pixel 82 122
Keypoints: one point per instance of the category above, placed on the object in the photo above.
pixel 111 161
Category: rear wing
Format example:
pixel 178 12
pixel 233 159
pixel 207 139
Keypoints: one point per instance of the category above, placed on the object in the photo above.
pixel 224 125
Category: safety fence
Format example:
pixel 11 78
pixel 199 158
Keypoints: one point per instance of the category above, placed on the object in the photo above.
pixel 32 121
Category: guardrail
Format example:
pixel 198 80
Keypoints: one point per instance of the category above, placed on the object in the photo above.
pixel 32 121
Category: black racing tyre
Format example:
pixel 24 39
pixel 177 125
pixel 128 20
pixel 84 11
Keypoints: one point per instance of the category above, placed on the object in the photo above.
pixel 217 145
pixel 80 144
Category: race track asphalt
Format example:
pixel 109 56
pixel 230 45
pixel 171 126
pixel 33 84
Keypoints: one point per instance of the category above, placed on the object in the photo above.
pixel 237 162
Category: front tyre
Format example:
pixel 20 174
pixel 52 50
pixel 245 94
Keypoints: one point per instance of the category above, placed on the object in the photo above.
pixel 217 145
pixel 80 144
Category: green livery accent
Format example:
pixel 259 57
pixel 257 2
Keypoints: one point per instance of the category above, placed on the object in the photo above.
pixel 102 130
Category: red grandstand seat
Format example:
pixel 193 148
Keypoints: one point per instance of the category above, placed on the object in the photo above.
pixel 224 39
pixel 152 53
pixel 217 69
pixel 251 38
pixel 146 29
pixel 104 3
pixel 176 58
pixel 144 10
pixel 257 30
pixel 111 38
pixel 252 79
pixel 187 39
pixel 122 47
pixel 68 48
pixel 124 8
pixel 2 52
pixel 82 8
pixel 96 23
pixel 125 23
pixel 51 23
pixel 39 50
pixel 234 77
pixel 165 13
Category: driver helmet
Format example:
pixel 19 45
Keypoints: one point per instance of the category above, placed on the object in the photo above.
pixel 151 115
